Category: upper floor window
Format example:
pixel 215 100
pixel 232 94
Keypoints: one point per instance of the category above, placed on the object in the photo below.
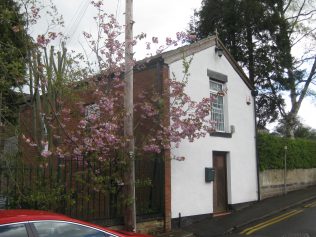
pixel 217 109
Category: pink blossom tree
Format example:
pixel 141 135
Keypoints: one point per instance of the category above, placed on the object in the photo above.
pixel 88 126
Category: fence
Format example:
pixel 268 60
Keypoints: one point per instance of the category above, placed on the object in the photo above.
pixel 84 190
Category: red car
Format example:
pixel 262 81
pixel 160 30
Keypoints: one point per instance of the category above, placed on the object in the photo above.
pixel 31 223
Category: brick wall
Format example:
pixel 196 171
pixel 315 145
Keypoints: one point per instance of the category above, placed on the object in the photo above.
pixel 158 75
pixel 153 77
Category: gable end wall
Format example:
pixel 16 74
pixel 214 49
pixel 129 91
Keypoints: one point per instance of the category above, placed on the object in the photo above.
pixel 190 194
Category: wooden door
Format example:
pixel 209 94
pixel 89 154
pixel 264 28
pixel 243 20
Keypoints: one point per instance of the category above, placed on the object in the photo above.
pixel 220 182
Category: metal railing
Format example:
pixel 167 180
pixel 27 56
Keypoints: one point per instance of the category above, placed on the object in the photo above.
pixel 81 189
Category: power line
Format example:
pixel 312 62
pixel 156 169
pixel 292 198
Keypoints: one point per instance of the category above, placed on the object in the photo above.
pixel 76 19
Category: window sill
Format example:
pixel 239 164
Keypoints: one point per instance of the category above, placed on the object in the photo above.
pixel 221 134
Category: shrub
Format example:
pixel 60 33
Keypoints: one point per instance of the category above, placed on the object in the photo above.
pixel 301 153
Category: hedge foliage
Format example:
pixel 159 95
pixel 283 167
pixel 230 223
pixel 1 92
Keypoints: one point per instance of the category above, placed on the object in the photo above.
pixel 300 153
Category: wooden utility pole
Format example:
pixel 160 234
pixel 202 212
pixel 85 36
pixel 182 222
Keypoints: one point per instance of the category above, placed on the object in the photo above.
pixel 130 207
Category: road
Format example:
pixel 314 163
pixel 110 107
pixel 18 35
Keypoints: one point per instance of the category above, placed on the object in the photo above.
pixel 298 222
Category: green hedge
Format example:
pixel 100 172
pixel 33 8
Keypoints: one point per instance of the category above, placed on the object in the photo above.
pixel 300 153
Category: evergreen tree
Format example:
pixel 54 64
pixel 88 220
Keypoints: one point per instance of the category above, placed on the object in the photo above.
pixel 247 29
pixel 13 45
pixel 260 35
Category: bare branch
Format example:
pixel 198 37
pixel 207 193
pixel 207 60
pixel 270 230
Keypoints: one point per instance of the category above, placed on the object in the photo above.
pixel 303 36
pixel 297 16
pixel 301 14
pixel 287 6
pixel 307 18
pixel 303 60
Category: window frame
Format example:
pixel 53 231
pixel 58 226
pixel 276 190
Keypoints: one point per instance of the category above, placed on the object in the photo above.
pixel 216 94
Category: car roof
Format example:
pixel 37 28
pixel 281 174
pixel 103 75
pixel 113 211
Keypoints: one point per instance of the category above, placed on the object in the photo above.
pixel 20 215
pixel 11 216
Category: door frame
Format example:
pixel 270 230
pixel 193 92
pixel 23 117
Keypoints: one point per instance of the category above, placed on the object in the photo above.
pixel 224 156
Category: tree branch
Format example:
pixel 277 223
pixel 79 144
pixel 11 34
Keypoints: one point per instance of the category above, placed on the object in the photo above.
pixel 287 6
pixel 303 36
pixel 301 14
pixel 297 16
pixel 308 81
pixel 274 93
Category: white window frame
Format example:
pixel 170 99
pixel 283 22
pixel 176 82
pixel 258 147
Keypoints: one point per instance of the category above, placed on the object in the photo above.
pixel 218 112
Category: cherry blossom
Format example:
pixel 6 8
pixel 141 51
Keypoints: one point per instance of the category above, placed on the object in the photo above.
pixel 99 135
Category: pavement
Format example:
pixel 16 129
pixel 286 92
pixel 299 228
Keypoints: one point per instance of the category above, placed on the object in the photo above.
pixel 223 225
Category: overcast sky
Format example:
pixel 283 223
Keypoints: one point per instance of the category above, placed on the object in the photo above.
pixel 162 18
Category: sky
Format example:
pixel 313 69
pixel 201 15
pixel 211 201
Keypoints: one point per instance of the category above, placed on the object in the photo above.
pixel 160 18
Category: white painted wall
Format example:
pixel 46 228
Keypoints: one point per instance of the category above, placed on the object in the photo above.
pixel 190 195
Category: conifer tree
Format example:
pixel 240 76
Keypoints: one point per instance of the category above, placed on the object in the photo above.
pixel 13 48
pixel 261 36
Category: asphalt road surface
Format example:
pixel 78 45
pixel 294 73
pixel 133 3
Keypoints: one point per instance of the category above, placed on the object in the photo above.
pixel 298 222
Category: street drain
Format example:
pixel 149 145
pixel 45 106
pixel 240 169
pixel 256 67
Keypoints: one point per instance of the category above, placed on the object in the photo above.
pixel 296 235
